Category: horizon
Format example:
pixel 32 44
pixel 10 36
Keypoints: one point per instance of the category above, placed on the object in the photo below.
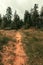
pixel 19 6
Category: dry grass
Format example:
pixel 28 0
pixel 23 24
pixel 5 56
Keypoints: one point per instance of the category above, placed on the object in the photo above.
pixel 32 42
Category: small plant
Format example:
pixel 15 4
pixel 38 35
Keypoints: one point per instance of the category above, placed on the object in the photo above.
pixel 3 41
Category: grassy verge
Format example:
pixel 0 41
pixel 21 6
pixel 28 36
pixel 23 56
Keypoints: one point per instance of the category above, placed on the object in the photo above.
pixel 33 47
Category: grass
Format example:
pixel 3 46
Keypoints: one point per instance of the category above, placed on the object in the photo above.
pixel 3 41
pixel 1 63
pixel 33 41
pixel 33 46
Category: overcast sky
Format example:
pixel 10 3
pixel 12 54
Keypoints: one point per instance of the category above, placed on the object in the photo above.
pixel 19 5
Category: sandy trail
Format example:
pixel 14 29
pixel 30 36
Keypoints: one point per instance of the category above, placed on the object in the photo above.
pixel 20 54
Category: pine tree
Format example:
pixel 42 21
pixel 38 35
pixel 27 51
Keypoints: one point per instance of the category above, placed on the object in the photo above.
pixel 27 19
pixel 9 16
pixel 0 20
pixel 35 16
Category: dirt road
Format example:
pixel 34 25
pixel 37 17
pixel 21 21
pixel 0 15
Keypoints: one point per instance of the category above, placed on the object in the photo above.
pixel 20 54
pixel 14 54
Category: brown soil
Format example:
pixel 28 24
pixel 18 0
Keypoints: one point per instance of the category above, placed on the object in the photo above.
pixel 13 53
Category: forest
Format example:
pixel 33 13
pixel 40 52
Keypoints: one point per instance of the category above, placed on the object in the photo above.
pixel 34 19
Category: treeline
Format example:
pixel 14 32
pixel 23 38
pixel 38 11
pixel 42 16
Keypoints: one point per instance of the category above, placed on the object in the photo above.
pixel 34 18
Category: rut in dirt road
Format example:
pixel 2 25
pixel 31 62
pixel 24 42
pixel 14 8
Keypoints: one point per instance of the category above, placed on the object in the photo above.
pixel 21 57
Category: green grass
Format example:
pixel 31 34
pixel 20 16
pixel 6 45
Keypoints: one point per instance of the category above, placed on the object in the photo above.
pixel 33 47
pixel 3 41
